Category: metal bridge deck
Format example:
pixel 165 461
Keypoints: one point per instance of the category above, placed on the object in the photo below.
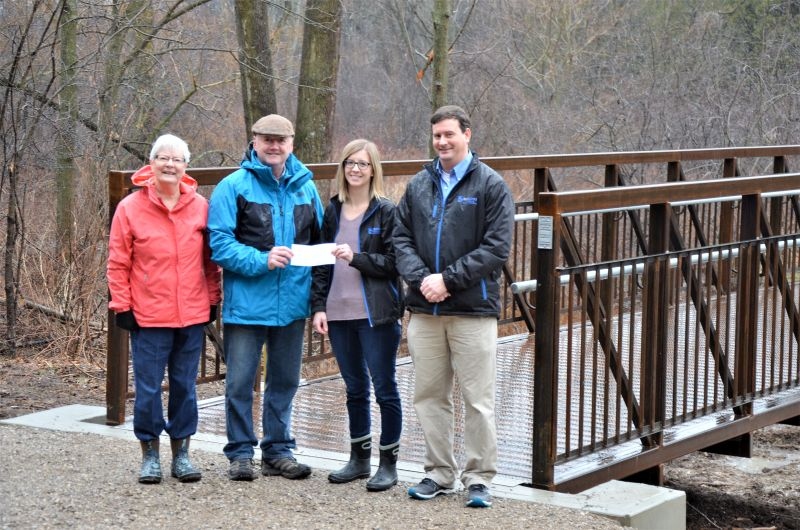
pixel 320 417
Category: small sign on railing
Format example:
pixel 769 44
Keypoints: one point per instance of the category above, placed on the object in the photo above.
pixel 545 233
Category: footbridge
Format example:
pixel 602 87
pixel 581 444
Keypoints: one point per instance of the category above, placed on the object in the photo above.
pixel 650 309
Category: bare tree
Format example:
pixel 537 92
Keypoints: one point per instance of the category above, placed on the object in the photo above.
pixel 20 113
pixel 255 61
pixel 68 121
pixel 316 95
pixel 441 48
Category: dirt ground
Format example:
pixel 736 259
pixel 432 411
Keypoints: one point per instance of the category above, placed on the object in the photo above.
pixel 721 491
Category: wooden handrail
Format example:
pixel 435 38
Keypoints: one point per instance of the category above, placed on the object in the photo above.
pixel 564 317
pixel 627 197
pixel 119 186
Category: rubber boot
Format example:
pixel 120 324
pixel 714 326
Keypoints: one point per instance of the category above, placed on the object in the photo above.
pixel 182 468
pixel 386 476
pixel 150 472
pixel 359 464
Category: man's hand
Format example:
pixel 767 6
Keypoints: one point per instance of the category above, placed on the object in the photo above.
pixel 433 289
pixel 279 257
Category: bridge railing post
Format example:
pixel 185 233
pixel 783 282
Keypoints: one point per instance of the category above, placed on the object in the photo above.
pixel 545 376
pixel 655 320
pixel 747 304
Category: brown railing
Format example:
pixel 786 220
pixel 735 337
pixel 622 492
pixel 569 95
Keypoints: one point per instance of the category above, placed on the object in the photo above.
pixel 684 340
pixel 530 175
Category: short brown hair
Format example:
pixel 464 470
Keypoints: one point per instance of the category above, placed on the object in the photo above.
pixel 452 112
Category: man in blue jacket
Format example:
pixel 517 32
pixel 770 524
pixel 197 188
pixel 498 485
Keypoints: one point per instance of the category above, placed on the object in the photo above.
pixel 453 234
pixel 256 214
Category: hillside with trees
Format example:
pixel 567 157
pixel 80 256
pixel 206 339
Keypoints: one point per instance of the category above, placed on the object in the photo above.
pixel 87 86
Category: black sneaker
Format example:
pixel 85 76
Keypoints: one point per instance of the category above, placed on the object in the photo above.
pixel 286 467
pixel 242 469
pixel 479 496
pixel 427 489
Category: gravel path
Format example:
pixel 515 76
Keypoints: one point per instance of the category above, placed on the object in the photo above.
pixel 53 479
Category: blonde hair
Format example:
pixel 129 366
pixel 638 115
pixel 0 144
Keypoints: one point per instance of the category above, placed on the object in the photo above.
pixel 375 183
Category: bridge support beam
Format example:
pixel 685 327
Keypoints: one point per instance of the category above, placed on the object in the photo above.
pixel 739 446
pixel 652 475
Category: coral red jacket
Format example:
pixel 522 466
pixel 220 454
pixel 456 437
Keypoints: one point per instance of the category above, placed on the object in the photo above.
pixel 159 261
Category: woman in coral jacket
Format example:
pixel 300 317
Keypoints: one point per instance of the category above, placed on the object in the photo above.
pixel 164 289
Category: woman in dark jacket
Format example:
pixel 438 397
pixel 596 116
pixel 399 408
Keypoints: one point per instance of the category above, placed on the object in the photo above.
pixel 357 302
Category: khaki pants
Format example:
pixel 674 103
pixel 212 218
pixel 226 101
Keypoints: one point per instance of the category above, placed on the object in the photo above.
pixel 464 346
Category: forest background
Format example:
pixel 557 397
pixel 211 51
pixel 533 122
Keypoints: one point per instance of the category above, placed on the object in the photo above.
pixel 88 85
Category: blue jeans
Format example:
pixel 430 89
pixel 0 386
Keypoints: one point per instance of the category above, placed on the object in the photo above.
pixel 153 351
pixel 242 355
pixel 363 351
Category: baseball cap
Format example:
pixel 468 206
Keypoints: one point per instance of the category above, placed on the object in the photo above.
pixel 274 125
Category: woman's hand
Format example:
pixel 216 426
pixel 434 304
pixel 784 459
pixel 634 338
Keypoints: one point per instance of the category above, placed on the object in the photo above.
pixel 320 322
pixel 127 321
pixel 343 252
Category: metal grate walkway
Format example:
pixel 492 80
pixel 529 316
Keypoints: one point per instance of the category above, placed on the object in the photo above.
pixel 320 417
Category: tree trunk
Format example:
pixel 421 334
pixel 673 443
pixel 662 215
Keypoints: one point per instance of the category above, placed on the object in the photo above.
pixel 146 123
pixel 316 97
pixel 255 61
pixel 68 118
pixel 10 262
pixel 441 26
pixel 108 95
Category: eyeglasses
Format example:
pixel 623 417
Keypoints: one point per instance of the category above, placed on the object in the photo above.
pixel 361 165
pixel 175 159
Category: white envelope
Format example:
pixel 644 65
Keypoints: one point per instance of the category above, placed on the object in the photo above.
pixel 312 255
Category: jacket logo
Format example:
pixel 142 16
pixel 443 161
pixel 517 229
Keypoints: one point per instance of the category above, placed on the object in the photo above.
pixel 467 200
pixel 373 230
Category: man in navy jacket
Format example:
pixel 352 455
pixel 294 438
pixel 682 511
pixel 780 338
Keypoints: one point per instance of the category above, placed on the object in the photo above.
pixel 452 237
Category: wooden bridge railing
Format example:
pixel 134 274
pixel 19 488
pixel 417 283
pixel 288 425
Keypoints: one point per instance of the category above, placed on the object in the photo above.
pixel 687 338
pixel 530 175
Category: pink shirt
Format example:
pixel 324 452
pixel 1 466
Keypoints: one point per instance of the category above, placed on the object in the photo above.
pixel 346 298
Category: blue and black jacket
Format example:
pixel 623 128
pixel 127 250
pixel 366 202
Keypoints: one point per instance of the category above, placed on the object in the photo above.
pixel 249 213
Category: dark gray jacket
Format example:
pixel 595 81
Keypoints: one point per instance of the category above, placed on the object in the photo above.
pixel 467 239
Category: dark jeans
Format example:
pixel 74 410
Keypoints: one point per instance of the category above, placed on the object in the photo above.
pixel 363 352
pixel 153 351
pixel 242 355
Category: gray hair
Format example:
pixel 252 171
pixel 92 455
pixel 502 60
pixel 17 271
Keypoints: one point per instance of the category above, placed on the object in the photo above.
pixel 170 141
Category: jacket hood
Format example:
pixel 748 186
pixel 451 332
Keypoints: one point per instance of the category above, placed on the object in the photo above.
pixel 296 172
pixel 144 177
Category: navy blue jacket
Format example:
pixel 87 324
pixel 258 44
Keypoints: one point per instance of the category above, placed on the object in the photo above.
pixel 466 238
